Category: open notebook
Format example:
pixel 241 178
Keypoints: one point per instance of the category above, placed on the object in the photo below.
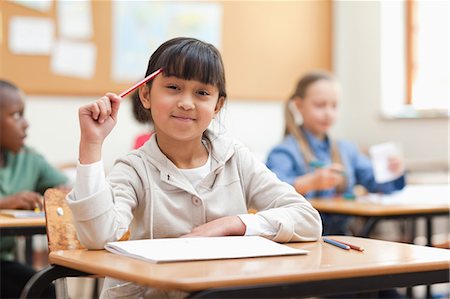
pixel 191 249
pixel 22 213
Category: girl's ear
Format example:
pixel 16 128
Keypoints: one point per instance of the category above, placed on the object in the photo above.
pixel 144 96
pixel 219 105
pixel 295 106
pixel 297 103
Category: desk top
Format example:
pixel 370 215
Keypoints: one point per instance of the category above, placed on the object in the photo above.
pixel 7 221
pixel 371 209
pixel 324 261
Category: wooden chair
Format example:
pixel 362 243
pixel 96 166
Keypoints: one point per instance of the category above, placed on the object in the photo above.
pixel 61 234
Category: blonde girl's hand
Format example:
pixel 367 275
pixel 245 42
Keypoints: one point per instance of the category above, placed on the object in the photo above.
pixel 396 165
pixel 328 177
pixel 225 226
pixel 25 200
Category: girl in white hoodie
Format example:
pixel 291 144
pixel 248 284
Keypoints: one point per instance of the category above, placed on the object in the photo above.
pixel 186 180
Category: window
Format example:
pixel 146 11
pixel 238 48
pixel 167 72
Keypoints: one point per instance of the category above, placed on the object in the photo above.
pixel 427 39
pixel 415 58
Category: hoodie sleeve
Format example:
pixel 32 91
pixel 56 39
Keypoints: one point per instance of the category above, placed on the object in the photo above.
pixel 289 213
pixel 105 213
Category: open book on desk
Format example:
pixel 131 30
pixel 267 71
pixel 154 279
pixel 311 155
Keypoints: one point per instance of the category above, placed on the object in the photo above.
pixel 22 213
pixel 192 249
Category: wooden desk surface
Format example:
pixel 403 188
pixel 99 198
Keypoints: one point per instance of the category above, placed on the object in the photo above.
pixel 324 261
pixel 7 221
pixel 369 209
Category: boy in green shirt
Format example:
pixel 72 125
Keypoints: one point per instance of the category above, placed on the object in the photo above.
pixel 24 176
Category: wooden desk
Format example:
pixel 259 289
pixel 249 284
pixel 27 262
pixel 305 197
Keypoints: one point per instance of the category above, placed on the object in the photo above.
pixel 325 270
pixel 10 226
pixel 376 211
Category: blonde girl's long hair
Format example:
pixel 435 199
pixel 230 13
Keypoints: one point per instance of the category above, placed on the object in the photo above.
pixel 292 122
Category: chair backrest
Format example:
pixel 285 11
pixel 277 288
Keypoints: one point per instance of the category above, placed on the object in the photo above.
pixel 61 232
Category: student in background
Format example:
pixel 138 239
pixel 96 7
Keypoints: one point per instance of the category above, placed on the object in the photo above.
pixel 142 117
pixel 187 180
pixel 314 163
pixel 24 176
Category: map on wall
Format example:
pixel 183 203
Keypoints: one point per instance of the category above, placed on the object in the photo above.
pixel 139 27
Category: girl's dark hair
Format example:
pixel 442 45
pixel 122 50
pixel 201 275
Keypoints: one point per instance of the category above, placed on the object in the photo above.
pixel 7 84
pixel 185 58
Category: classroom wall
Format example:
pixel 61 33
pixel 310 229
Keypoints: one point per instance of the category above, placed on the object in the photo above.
pixel 259 124
pixel 357 56
pixel 59 143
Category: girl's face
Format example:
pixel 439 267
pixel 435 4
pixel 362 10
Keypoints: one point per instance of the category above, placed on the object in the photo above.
pixel 319 106
pixel 182 109
pixel 13 125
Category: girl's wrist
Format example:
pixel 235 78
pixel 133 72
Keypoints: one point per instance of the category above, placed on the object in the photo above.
pixel 89 152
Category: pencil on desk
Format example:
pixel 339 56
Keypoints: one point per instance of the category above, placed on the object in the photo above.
pixel 336 243
pixel 350 245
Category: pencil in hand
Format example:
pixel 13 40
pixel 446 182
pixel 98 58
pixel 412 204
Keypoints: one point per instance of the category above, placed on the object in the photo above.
pixel 143 81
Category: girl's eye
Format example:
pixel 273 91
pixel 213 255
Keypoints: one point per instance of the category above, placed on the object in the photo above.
pixel 172 87
pixel 203 93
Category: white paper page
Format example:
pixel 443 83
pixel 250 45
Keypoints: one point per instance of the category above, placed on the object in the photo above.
pixel 413 194
pixel 189 249
pixel 380 155
pixel 75 59
pixel 75 19
pixel 39 5
pixel 22 213
pixel 31 35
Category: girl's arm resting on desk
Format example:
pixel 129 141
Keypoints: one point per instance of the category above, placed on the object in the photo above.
pixel 288 212
pixel 225 226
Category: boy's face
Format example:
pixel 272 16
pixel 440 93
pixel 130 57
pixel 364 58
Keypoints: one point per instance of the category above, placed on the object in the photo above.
pixel 13 125
pixel 182 109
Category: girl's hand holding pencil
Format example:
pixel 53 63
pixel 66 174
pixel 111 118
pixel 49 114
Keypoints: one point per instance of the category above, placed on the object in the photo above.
pixel 96 122
pixel 99 118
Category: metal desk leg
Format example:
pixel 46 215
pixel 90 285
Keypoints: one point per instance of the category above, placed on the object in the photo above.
pixel 368 227
pixel 429 232
pixel 36 285
pixel 29 250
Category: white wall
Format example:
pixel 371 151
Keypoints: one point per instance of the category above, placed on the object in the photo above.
pixel 54 129
pixel 54 124
pixel 357 64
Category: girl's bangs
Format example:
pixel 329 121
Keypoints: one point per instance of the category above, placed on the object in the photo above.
pixel 191 63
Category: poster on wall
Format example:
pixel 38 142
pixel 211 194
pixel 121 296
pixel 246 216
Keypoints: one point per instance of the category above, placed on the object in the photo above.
pixel 74 19
pixel 41 5
pixel 31 35
pixel 74 59
pixel 139 27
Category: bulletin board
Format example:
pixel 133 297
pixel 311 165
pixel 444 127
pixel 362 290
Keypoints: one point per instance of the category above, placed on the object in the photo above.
pixel 266 47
